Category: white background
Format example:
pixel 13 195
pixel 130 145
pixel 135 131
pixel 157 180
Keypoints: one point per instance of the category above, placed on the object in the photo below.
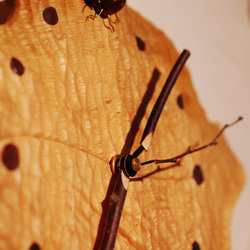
pixel 218 35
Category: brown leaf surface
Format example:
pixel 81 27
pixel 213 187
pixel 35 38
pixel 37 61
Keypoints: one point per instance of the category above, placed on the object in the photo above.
pixel 71 111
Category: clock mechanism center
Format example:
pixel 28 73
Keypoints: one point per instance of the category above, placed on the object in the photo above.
pixel 128 163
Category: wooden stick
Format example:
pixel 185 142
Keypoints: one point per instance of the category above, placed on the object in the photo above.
pixel 191 150
pixel 116 203
pixel 125 166
pixel 157 109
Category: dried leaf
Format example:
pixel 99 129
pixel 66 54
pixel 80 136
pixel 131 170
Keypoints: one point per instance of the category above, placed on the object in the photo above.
pixel 70 94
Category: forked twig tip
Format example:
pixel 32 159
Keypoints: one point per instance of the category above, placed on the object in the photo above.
pixel 192 150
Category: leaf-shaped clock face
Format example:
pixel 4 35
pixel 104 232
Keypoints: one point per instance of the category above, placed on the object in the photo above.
pixel 72 95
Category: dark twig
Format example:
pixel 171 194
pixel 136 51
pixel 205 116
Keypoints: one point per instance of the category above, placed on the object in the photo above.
pixel 159 169
pixel 123 166
pixel 190 150
pixel 157 109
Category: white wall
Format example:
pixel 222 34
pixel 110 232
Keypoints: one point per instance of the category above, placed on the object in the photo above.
pixel 218 35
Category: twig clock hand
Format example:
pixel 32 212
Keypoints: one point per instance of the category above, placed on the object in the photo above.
pixel 157 109
pixel 125 166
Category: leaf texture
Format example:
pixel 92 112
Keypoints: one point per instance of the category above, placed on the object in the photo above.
pixel 85 94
